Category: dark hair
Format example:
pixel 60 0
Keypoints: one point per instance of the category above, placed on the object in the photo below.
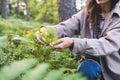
pixel 94 9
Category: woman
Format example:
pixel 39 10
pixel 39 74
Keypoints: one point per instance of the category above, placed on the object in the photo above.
pixel 99 27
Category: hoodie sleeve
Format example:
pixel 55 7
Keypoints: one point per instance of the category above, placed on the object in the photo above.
pixel 108 44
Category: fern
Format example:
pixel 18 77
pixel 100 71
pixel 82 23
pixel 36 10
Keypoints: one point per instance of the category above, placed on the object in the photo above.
pixel 38 73
pixel 3 41
pixel 55 75
pixel 74 76
pixel 28 70
pixel 16 68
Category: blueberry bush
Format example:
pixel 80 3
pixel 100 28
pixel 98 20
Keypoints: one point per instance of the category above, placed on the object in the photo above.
pixel 22 56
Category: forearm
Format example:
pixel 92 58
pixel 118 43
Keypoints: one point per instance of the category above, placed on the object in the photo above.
pixel 97 47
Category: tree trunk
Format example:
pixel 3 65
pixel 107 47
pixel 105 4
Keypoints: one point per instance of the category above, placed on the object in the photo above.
pixel 27 11
pixel 0 7
pixel 18 7
pixel 66 8
pixel 45 18
pixel 4 9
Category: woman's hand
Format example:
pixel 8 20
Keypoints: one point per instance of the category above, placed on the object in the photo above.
pixel 63 43
pixel 39 37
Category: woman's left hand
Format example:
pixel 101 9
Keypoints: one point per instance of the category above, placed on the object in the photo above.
pixel 63 43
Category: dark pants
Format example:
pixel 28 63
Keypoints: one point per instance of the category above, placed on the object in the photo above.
pixel 90 68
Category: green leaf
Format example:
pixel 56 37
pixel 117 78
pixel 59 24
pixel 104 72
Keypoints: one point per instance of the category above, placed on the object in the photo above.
pixel 3 41
pixel 75 76
pixel 38 73
pixel 16 68
pixel 55 75
pixel 18 39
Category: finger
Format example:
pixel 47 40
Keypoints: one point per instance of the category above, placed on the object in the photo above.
pixel 37 34
pixel 42 39
pixel 52 44
pixel 39 37
pixel 58 42
pixel 59 46
pixel 58 49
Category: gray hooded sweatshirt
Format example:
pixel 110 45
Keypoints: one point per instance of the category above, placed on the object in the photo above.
pixel 107 47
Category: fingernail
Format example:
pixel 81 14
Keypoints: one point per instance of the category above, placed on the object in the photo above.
pixel 52 44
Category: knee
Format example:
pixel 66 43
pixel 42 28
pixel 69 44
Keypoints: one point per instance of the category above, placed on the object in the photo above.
pixel 90 68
